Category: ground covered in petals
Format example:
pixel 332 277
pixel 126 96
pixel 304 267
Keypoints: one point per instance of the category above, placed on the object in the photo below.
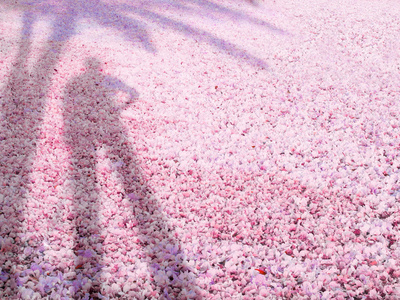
pixel 199 149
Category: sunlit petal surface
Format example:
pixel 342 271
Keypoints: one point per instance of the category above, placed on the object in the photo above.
pixel 199 149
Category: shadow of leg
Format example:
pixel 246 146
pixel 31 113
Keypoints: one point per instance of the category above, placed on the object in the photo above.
pixel 87 243
pixel 168 264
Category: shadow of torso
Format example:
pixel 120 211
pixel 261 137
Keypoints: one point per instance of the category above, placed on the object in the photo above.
pixel 91 114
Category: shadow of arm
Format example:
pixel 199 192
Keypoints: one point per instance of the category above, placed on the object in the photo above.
pixel 117 85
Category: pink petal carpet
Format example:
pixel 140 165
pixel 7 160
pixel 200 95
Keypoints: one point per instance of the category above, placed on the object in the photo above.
pixel 199 149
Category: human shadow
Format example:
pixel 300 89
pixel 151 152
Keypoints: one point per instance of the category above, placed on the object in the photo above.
pixel 92 123
pixel 23 103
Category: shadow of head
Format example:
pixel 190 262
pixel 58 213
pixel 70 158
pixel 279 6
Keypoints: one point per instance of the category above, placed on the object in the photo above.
pixel 92 64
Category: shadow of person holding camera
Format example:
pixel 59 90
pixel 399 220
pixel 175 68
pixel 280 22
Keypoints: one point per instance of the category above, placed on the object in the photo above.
pixel 92 123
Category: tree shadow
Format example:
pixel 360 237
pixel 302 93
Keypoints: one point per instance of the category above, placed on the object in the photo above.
pixel 91 123
pixel 113 15
pixel 23 104
pixel 211 9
